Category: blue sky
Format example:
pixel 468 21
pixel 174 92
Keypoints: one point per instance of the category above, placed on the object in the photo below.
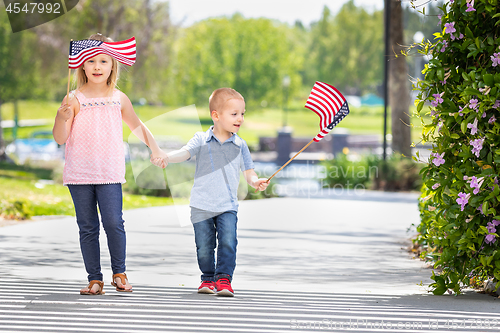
pixel 190 11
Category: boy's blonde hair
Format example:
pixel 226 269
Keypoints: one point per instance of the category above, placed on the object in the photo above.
pixel 81 78
pixel 221 96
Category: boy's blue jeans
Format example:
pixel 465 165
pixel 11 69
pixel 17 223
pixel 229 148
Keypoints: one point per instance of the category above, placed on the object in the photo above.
pixel 217 231
pixel 110 201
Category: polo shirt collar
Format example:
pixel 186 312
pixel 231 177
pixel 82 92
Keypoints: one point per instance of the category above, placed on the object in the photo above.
pixel 234 138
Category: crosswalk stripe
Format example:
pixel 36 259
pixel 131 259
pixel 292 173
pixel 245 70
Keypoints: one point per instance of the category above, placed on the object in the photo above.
pixel 46 307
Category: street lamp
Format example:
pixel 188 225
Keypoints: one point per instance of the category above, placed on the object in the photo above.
pixel 286 85
pixel 417 38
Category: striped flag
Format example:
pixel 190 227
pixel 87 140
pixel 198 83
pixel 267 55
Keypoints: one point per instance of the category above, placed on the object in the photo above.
pixel 82 50
pixel 329 104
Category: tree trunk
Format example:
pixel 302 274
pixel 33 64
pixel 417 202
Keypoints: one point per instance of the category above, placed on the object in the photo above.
pixel 2 145
pixel 399 86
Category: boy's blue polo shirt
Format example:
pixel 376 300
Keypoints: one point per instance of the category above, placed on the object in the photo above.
pixel 217 172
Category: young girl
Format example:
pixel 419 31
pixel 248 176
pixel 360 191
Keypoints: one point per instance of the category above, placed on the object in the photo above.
pixel 89 121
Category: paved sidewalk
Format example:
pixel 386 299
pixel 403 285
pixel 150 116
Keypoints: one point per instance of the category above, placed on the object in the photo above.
pixel 302 264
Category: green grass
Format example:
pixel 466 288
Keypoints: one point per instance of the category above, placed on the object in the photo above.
pixel 23 183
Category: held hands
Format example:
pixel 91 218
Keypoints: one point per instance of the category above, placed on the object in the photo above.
pixel 159 161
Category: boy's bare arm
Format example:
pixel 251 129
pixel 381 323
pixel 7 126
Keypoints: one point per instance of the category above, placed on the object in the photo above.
pixel 254 180
pixel 178 156
pixel 175 156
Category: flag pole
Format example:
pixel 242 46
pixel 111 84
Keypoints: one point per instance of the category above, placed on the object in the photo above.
pixel 284 165
pixel 69 75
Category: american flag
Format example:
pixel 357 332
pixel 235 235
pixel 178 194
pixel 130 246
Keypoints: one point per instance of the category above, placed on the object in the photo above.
pixel 82 50
pixel 329 104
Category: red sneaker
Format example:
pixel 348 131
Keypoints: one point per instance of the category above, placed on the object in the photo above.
pixel 207 287
pixel 223 287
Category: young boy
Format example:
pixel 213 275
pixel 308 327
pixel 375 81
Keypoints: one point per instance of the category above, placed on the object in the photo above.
pixel 220 155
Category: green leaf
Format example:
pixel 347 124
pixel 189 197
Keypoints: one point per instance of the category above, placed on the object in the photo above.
pixel 440 73
pixel 482 259
pixel 469 33
pixel 472 91
pixel 420 106
pixel 440 290
pixel 455 136
pixel 463 126
pixel 489 79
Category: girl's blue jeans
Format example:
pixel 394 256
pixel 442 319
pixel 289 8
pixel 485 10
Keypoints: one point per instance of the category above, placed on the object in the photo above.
pixel 110 201
pixel 220 232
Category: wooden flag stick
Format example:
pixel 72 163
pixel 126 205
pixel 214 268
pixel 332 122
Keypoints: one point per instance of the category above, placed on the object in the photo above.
pixel 284 165
pixel 69 75
pixel 69 78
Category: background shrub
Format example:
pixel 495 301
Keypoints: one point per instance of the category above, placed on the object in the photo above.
pixel 460 198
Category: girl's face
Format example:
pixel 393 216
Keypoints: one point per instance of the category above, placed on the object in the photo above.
pixel 98 68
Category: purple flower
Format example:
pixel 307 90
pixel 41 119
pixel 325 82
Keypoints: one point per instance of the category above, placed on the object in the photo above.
pixel 438 159
pixel 483 115
pixel 445 44
pixel 461 36
pixel 473 104
pixel 497 104
pixel 440 126
pixel 496 59
pixel 475 183
pixel 435 186
pixel 491 227
pixel 450 28
pixel 437 99
pixel 470 8
pixel 495 222
pixel 480 208
pixel 463 199
pixel 490 238
pixel 473 127
pixel 460 109
pixel 492 120
pixel 477 146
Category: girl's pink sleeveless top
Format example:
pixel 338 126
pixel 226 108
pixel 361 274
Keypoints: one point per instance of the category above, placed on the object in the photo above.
pixel 94 149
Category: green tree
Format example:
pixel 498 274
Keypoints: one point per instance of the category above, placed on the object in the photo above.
pixel 346 50
pixel 17 68
pixel 249 55
pixel 149 21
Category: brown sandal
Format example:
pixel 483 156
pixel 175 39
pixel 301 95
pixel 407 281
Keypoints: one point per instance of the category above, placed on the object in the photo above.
pixel 100 291
pixel 124 280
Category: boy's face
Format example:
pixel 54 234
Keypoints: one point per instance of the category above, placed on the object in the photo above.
pixel 230 116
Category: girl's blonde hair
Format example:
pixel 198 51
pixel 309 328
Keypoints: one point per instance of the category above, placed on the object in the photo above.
pixel 81 78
